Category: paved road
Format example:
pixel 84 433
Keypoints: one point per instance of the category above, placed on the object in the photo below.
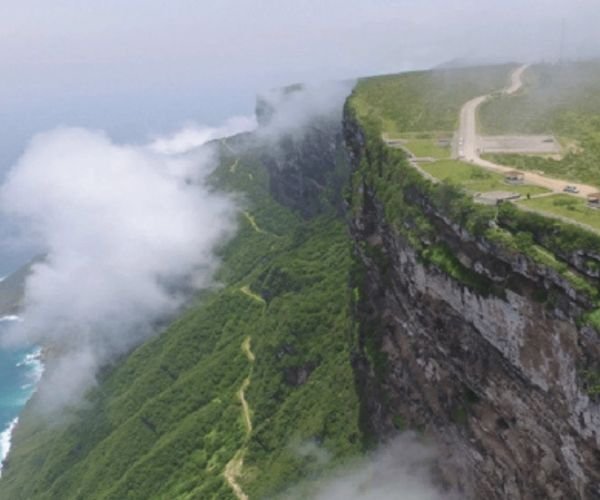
pixel 468 143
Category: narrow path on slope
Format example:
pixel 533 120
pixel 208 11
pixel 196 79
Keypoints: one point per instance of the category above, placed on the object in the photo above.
pixel 469 143
pixel 252 222
pixel 233 167
pixel 246 291
pixel 233 469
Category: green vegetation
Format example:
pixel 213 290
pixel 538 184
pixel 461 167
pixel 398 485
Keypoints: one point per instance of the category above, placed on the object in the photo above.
pixel 423 101
pixel 441 256
pixel 476 179
pixel 426 144
pixel 567 206
pixel 560 99
pixel 427 148
pixel 165 422
pixel 592 382
pixel 577 167
pixel 407 198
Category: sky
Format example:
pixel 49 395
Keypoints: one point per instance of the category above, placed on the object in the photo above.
pixel 102 105
pixel 140 65
pixel 138 69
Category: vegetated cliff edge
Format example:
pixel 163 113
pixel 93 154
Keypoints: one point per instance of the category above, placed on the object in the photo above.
pixel 476 327
pixel 250 387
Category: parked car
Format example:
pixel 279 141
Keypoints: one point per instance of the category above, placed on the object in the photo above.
pixel 571 189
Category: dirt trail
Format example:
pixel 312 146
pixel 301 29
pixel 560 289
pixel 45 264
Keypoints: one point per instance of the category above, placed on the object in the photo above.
pixel 252 222
pixel 469 143
pixel 254 296
pixel 233 167
pixel 233 469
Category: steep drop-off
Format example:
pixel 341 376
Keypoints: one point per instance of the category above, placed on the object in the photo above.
pixel 469 337
pixel 472 325
pixel 195 413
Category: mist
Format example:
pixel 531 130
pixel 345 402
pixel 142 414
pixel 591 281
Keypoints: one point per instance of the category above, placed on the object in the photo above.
pixel 127 232
pixel 293 109
pixel 193 135
pixel 400 470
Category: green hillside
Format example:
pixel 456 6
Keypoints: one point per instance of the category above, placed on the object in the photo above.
pixel 169 421
pixel 424 101
pixel 560 99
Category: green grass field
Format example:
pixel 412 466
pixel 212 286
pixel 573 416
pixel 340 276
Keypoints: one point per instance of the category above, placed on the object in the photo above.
pixel 425 144
pixel 424 101
pixel 475 179
pixel 560 99
pixel 566 206
pixel 427 148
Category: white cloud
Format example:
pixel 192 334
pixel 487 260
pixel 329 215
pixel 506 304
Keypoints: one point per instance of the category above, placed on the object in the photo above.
pixel 398 471
pixel 296 110
pixel 124 228
pixel 193 135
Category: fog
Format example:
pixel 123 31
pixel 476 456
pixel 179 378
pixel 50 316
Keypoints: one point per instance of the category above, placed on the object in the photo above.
pixel 291 111
pixel 145 66
pixel 124 216
pixel 193 135
pixel 125 230
pixel 400 470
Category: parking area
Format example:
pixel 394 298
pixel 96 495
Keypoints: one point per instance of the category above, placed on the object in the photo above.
pixel 519 144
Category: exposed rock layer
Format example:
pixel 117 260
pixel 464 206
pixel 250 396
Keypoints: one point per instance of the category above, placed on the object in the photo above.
pixel 496 378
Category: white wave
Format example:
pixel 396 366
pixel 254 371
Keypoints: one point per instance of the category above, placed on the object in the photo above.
pixel 35 369
pixel 5 441
pixel 34 362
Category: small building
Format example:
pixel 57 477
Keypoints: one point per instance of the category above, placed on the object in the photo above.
pixel 514 177
pixel 593 200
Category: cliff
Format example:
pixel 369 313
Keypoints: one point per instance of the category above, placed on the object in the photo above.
pixel 302 147
pixel 233 396
pixel 472 341
pixel 471 325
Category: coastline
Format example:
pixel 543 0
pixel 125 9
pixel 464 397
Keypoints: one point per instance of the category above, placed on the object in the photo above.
pixel 5 442
pixel 31 366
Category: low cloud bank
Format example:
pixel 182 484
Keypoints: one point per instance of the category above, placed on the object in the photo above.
pixel 125 229
pixel 401 470
pixel 193 135
pixel 293 110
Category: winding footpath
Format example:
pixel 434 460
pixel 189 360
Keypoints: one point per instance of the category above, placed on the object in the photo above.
pixel 233 469
pixel 469 143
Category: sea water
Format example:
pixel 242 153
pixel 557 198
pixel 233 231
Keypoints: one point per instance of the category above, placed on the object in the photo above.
pixel 20 371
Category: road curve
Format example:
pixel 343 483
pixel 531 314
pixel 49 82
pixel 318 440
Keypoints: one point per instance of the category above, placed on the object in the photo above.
pixel 468 143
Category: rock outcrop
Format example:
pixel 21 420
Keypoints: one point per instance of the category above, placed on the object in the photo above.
pixel 498 377
pixel 304 150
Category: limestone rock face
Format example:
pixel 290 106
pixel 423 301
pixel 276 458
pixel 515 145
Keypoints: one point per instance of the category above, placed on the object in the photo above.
pixel 498 379
pixel 304 155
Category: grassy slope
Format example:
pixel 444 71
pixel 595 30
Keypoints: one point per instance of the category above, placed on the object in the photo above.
pixel 400 188
pixel 567 206
pixel 165 422
pixel 476 179
pixel 424 101
pixel 564 100
pixel 427 148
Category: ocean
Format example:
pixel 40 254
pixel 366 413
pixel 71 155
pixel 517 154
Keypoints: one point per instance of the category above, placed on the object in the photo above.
pixel 20 371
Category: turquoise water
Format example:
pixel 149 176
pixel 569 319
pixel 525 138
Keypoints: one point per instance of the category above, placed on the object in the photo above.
pixel 20 371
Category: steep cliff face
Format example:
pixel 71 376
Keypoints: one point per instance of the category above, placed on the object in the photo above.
pixel 304 157
pixel 496 369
